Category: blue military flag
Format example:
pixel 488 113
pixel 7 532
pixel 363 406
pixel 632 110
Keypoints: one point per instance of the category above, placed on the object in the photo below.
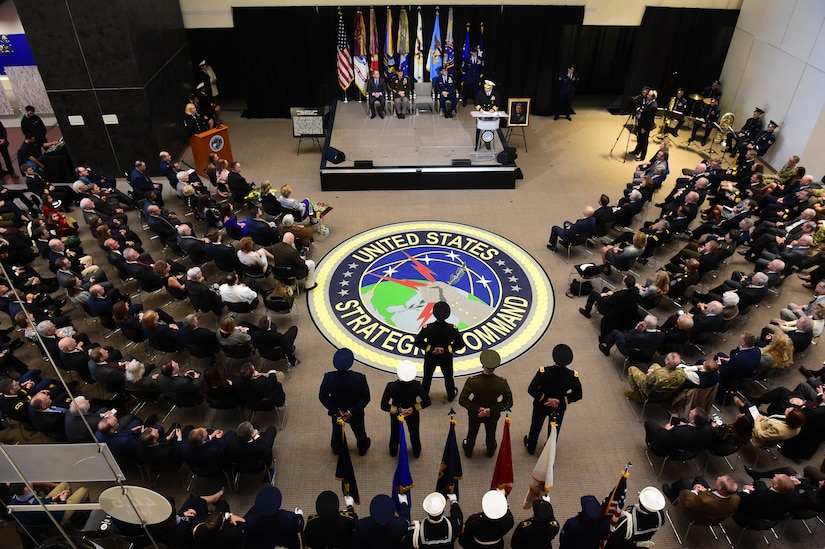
pixel 344 470
pixel 450 471
pixel 465 51
pixel 434 60
pixel 402 481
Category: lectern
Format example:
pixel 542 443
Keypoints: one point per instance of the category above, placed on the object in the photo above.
pixel 487 124
pixel 212 141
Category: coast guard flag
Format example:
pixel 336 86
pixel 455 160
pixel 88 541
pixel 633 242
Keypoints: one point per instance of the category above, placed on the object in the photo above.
pixel 344 58
pixel 450 472
pixel 361 68
pixel 402 481
pixel 344 470
pixel 542 477
pixel 434 55
pixel 389 52
pixel 503 473
pixel 449 50
pixel 418 62
pixel 403 42
pixel 373 42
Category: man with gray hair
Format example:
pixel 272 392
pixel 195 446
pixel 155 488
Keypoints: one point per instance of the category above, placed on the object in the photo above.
pixel 251 447
pixel 700 502
pixel 83 416
pixel 203 297
pixel 657 378
pixel 646 336
pixel 628 207
pixel 752 289
pixel 192 245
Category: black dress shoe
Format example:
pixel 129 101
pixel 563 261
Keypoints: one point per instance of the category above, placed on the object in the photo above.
pixel 556 117
pixel 551 247
pixel 527 446
pixel 604 349
pixel 381 114
pixel 373 116
pixel 363 451
pixel 668 492
pixel 585 313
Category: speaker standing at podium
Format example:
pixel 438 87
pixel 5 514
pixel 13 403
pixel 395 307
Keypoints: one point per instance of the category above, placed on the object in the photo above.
pixel 486 101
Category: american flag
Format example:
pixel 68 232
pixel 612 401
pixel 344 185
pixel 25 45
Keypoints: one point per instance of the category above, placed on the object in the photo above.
pixel 614 502
pixel 345 73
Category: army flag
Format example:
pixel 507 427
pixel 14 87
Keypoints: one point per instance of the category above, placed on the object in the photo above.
pixel 360 65
pixel 389 51
pixel 434 60
pixel 418 60
pixel 449 48
pixel 373 42
pixel 403 42
pixel 345 74
pixel 615 500
pixel 344 470
pixel 541 481
pixel 450 471
pixel 503 473
pixel 402 481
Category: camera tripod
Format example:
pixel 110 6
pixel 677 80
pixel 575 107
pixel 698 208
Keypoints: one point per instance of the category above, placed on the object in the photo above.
pixel 630 126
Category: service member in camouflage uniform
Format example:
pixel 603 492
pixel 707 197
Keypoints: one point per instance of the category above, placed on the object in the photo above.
pixel 657 377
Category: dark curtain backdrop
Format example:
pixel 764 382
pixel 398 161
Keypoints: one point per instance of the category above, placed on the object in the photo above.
pixel 680 47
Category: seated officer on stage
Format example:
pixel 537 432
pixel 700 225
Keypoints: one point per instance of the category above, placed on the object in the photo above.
pixel 401 86
pixel 445 90
pixel 762 143
pixel 750 129
pixel 486 101
pixel 679 109
pixel 710 115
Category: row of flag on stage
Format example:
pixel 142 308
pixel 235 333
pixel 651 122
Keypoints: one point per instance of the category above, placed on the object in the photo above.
pixel 450 471
pixel 354 65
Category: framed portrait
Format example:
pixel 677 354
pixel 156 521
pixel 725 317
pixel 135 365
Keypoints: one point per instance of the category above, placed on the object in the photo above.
pixel 518 110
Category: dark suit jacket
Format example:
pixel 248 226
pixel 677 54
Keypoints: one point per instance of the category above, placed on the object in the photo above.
pixel 159 456
pixel 140 182
pixel 193 246
pixel 271 339
pixel 619 310
pixel 202 338
pixel 742 364
pixel 144 274
pixel 76 427
pixel 583 226
pixel 50 423
pixel 163 226
pixel 682 437
pixel 210 454
pixel 255 451
pixel 101 307
pixel 645 340
pixel 259 389
pixel 381 87
pixel 763 503
pixel 211 301
pixel 77 361
pixel 224 256
pixel 261 229
pixel 237 184
pixel 181 387
pixel 109 376
pixel 286 256
pixel 165 338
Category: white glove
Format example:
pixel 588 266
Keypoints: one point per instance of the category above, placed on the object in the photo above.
pixel 402 498
pixel 452 498
pixel 546 498
pixel 299 511
pixel 349 500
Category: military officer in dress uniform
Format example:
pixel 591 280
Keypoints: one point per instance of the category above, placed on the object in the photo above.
pixel 445 90
pixel 640 522
pixel 437 531
pixel 486 101
pixel 486 530
pixel 567 85
pixel 345 394
pixel 645 122
pixel 472 71
pixel 405 397
pixel 401 86
pixel 537 532
pixel 679 108
pixel 762 143
pixel 710 115
pixel 267 525
pixel 330 528
pixel 485 396
pixel 440 342
pixel 552 389
pixel 750 129
pixel 382 529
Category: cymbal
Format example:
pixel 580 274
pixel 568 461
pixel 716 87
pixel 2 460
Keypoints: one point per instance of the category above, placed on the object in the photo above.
pixel 707 100
pixel 696 96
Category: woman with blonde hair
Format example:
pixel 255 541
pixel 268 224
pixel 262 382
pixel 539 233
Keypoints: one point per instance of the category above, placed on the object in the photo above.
pixel 623 255
pixel 302 210
pixel 250 257
pixel 655 288
pixel 778 353
pixel 193 122
pixel 230 335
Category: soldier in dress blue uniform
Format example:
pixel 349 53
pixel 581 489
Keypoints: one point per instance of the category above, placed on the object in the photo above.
pixel 586 529
pixel 445 90
pixel 710 114
pixel 440 341
pixel 267 525
pixel 330 528
pixel 472 72
pixel 552 389
pixel 750 129
pixel 382 529
pixel 405 397
pixel 762 142
pixel 567 84
pixel 679 108
pixel 345 394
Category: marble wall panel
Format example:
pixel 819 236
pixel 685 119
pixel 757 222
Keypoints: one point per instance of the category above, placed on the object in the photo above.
pixel 29 88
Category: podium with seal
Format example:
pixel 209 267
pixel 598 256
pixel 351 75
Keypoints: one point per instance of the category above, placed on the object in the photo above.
pixel 211 141
pixel 487 124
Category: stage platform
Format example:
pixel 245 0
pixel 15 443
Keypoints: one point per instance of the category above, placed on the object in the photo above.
pixel 416 152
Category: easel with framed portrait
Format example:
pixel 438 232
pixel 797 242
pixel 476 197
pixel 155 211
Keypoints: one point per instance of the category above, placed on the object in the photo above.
pixel 518 109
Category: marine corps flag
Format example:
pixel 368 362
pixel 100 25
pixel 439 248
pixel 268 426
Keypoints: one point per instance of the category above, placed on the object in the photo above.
pixel 403 42
pixel 450 472
pixel 344 471
pixel 360 64
pixel 344 57
pixel 389 51
pixel 449 49
pixel 418 61
pixel 503 473
pixel 402 481
pixel 542 477
pixel 373 42
pixel 434 60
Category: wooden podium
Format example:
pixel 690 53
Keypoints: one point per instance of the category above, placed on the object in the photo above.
pixel 212 141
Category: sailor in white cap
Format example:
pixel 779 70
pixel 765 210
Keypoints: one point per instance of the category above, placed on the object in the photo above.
pixel 486 530
pixel 437 531
pixel 640 522
pixel 405 397
pixel 485 396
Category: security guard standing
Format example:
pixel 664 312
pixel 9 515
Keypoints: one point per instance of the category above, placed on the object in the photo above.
pixel 537 532
pixel 345 394
pixel 472 71
pixel 440 342
pixel 330 528
pixel 640 522
pixel 552 389
pixel 486 530
pixel 405 397
pixel 485 396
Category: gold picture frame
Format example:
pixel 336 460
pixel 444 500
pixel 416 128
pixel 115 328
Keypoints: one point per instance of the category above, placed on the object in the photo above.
pixel 518 112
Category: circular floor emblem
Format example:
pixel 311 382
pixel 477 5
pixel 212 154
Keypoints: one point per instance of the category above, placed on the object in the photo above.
pixel 377 289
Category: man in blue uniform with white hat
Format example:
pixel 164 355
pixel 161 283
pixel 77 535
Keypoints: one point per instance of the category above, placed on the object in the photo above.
pixel 639 522
pixel 345 394
pixel 437 531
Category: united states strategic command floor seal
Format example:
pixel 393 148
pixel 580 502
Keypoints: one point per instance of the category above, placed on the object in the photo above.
pixel 377 289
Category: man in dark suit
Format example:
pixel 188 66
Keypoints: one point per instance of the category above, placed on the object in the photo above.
pixel 141 271
pixel 107 367
pixel 82 417
pixel 269 337
pixel 263 232
pixel 180 387
pixel 345 394
pixel 645 122
pixel 237 184
pixel 163 224
pixel 645 335
pixel 192 245
pixel 285 255
pixel 445 90
pixel 141 183
pixel 224 255
pixel 440 340
pixel 693 435
pixel 200 292
pixel 157 451
pixel 47 416
pixel 377 94
pixel 203 339
pixel 579 230
pixel 618 308
pixel 742 362
pixel 74 358
pixel 760 502
pixel 258 389
pixel 206 449
pixel 252 447
pixel 120 435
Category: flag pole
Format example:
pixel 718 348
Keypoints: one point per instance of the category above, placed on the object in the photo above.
pixel 624 474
